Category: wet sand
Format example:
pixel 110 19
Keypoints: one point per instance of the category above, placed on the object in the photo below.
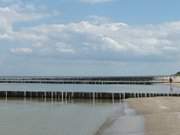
pixel 161 114
pixel 124 121
pixel 145 116
pixel 176 84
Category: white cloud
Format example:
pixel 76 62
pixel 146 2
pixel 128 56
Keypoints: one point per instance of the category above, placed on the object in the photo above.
pixel 21 50
pixel 112 40
pixel 111 44
pixel 98 39
pixel 64 48
pixel 10 15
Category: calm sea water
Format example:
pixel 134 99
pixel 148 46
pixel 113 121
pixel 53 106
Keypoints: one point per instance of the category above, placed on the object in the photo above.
pixel 89 88
pixel 32 117
pixel 18 117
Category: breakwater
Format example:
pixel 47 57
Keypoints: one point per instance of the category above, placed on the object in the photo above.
pixel 57 95
pixel 79 79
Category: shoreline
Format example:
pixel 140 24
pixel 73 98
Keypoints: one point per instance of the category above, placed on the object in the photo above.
pixel 124 121
pixel 176 85
pixel 144 116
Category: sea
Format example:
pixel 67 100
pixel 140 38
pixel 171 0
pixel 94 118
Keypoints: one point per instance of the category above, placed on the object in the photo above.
pixel 80 117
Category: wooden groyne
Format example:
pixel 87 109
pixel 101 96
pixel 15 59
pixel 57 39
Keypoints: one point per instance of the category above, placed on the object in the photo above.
pixel 79 79
pixel 62 95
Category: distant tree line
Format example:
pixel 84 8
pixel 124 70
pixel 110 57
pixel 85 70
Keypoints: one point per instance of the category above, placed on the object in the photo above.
pixel 178 73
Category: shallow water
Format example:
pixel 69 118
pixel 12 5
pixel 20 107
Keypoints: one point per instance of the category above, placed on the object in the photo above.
pixel 33 117
pixel 84 117
pixel 158 88
pixel 19 117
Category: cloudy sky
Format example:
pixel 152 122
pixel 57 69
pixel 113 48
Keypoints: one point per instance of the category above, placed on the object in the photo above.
pixel 89 37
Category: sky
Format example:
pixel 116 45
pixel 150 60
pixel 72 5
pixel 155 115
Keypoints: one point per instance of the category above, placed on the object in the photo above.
pixel 89 37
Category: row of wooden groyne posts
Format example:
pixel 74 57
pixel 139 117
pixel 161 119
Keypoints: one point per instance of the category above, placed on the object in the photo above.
pixel 80 79
pixel 62 95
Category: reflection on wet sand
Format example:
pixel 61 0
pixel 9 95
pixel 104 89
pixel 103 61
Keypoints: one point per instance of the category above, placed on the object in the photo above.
pixel 171 87
pixel 124 121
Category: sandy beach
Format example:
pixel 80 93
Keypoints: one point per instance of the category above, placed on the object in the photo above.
pixel 161 115
pixel 144 116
